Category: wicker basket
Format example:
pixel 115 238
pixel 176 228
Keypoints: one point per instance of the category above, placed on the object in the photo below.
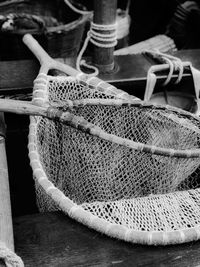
pixel 60 40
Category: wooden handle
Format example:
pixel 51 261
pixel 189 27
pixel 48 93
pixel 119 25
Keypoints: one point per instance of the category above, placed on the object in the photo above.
pixel 49 63
pixel 45 60
pixel 6 227
pixel 104 14
pixel 22 107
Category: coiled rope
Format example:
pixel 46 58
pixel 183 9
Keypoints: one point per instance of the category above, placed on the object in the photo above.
pixel 174 64
pixel 99 36
pixel 10 258
pixel 123 18
pixel 82 12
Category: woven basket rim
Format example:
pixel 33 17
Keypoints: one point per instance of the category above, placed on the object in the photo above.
pixel 51 30
pixel 48 30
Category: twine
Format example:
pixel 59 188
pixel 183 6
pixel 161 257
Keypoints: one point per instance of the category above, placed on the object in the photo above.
pixel 99 36
pixel 82 12
pixel 123 23
pixel 174 64
pixel 10 258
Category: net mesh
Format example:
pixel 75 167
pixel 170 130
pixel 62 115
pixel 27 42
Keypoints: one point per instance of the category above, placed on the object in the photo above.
pixel 125 186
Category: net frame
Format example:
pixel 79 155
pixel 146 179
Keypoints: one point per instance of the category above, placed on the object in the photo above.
pixel 80 213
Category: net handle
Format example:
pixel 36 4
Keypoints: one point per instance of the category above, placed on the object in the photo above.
pixel 45 60
pixel 48 63
pixel 77 122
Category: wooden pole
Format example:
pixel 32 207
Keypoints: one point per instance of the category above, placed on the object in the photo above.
pixel 6 227
pixel 104 14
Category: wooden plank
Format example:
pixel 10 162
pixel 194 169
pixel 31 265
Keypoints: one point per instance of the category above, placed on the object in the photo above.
pixel 133 68
pixel 18 76
pixel 53 239
pixel 6 227
pixel 130 74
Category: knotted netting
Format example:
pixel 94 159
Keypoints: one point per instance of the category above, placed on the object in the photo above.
pixel 128 169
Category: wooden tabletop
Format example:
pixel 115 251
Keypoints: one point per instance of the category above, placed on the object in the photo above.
pixel 54 240
pixel 131 71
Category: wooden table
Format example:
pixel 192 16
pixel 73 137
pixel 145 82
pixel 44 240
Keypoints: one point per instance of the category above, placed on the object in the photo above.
pixel 130 73
pixel 54 240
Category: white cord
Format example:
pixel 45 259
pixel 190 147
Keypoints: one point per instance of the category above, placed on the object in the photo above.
pixel 10 258
pixel 172 63
pixel 99 36
pixel 82 12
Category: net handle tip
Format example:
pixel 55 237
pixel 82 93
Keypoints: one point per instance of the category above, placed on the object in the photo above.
pixel 45 60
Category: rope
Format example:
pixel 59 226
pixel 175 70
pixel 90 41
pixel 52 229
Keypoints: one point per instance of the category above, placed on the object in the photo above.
pixel 174 64
pixel 82 12
pixel 10 258
pixel 123 23
pixel 99 36
pixel 105 40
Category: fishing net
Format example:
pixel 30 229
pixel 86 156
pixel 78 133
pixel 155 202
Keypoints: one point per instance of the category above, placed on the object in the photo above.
pixel 126 168
pixel 135 168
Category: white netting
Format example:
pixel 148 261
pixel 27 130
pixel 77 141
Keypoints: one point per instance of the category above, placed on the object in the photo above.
pixel 140 190
pixel 169 212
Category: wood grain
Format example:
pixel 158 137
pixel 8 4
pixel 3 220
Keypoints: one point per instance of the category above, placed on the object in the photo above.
pixel 6 227
pixel 17 76
pixel 104 14
pixel 53 239
pixel 130 74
